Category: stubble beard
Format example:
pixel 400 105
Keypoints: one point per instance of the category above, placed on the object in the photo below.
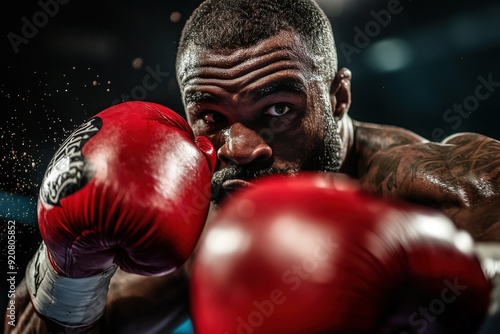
pixel 324 158
pixel 327 157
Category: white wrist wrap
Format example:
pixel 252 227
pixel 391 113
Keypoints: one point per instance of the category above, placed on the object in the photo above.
pixel 71 302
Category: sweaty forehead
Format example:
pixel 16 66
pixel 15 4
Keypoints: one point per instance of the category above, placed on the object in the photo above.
pixel 234 62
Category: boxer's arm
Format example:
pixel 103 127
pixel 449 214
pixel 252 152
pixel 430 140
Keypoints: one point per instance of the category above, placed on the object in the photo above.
pixel 139 304
pixel 27 321
pixel 135 304
pixel 459 176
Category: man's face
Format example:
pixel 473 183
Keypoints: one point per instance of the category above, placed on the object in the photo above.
pixel 264 108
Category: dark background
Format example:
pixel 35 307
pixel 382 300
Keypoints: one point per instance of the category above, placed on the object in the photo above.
pixel 83 55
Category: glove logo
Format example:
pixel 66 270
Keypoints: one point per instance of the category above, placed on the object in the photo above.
pixel 69 171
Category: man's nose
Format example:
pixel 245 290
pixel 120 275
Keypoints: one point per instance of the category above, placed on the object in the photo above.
pixel 243 146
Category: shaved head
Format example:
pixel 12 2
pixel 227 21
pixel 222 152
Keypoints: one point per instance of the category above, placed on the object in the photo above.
pixel 234 24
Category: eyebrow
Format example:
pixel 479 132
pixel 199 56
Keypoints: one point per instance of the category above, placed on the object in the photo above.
pixel 286 85
pixel 199 97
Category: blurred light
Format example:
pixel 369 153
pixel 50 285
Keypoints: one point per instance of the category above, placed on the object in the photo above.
pixel 489 254
pixel 298 241
pixel 463 241
pixel 389 55
pixel 462 35
pixel 420 227
pixel 293 234
pixel 491 267
pixel 440 227
pixel 175 17
pixel 137 63
pixel 224 241
pixel 434 226
pixel 18 208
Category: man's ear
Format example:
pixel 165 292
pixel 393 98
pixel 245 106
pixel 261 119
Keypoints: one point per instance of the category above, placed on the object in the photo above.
pixel 340 93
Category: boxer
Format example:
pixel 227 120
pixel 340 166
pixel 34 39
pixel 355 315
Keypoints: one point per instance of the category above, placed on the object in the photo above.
pixel 265 88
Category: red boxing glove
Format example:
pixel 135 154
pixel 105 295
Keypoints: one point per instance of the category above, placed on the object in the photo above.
pixel 128 188
pixel 308 255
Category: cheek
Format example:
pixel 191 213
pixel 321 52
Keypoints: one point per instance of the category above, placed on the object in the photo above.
pixel 313 133
pixel 318 105
pixel 314 122
pixel 298 143
pixel 217 139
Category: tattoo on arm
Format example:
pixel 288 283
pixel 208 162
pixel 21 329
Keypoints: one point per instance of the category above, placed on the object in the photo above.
pixel 466 171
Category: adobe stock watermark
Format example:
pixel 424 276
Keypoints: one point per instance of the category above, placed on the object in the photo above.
pixel 40 19
pixel 11 315
pixel 292 278
pixel 421 318
pixel 150 82
pixel 456 114
pixel 371 30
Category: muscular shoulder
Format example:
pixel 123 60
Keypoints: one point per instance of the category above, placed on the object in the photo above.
pixel 383 136
pixel 370 139
pixel 460 175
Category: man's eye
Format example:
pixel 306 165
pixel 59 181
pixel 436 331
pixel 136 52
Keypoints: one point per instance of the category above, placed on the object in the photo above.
pixel 278 110
pixel 212 117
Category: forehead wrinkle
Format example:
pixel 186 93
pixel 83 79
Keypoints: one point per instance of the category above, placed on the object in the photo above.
pixel 241 83
pixel 284 82
pixel 244 57
pixel 233 63
pixel 277 60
